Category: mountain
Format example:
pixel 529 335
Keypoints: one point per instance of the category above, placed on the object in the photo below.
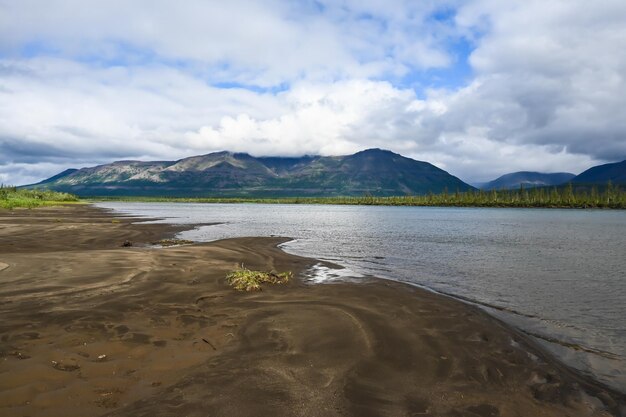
pixel 226 174
pixel 601 174
pixel 59 176
pixel 527 180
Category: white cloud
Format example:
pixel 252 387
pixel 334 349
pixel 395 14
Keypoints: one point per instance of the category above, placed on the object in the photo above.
pixel 336 118
pixel 141 80
pixel 252 42
pixel 552 74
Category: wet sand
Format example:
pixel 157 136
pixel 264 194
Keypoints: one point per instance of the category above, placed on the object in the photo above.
pixel 91 328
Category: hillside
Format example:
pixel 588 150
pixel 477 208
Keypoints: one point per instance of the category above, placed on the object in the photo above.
pixel 601 174
pixel 224 174
pixel 527 180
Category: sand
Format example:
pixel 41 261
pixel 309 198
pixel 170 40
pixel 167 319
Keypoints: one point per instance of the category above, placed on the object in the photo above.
pixel 89 327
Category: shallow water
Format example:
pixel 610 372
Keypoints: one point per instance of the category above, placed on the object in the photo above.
pixel 559 275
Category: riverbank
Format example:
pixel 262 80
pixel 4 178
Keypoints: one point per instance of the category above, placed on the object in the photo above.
pixel 94 328
pixel 579 197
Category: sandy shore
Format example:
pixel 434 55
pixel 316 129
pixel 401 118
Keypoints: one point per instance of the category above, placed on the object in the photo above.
pixel 91 328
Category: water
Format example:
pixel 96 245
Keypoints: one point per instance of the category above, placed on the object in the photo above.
pixel 559 275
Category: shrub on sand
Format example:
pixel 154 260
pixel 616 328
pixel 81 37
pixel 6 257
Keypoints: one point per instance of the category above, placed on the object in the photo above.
pixel 13 197
pixel 243 279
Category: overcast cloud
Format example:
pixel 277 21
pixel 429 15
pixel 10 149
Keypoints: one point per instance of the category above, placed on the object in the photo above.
pixel 479 88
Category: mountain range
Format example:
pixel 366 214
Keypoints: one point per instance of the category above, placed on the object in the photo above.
pixel 225 174
pixel 598 175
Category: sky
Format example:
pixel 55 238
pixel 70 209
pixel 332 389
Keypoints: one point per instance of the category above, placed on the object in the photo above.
pixel 479 88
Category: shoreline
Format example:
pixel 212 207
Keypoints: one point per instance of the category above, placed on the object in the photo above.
pixel 331 201
pixel 181 341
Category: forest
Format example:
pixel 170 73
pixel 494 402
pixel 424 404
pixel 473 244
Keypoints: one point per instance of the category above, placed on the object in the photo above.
pixel 607 197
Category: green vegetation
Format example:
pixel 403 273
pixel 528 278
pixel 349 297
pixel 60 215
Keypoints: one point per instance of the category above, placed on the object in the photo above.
pixel 244 279
pixel 609 196
pixel 12 197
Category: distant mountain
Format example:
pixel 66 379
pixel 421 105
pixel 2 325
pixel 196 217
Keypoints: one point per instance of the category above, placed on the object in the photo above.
pixel 527 180
pixel 224 174
pixel 601 174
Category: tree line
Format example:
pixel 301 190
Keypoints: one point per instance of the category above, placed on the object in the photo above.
pixel 568 196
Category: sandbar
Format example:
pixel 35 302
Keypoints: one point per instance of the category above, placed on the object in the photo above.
pixel 91 327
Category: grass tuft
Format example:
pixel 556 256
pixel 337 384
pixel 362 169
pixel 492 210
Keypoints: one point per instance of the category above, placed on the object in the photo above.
pixel 243 279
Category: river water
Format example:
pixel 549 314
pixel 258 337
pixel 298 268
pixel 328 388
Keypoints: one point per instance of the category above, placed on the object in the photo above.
pixel 558 275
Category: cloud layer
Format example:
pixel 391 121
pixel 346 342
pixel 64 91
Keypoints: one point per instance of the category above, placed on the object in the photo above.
pixel 479 88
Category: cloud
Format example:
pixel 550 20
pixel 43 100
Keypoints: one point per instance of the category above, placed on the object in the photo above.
pixel 263 43
pixel 336 118
pixel 545 84
pixel 58 107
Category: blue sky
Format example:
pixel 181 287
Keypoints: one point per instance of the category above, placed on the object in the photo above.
pixel 479 87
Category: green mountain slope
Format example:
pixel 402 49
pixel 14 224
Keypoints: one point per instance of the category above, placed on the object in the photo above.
pixel 601 174
pixel 527 180
pixel 224 174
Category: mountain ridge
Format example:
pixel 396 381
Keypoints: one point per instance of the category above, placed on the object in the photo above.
pixel 227 174
pixel 601 174
pixel 527 179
